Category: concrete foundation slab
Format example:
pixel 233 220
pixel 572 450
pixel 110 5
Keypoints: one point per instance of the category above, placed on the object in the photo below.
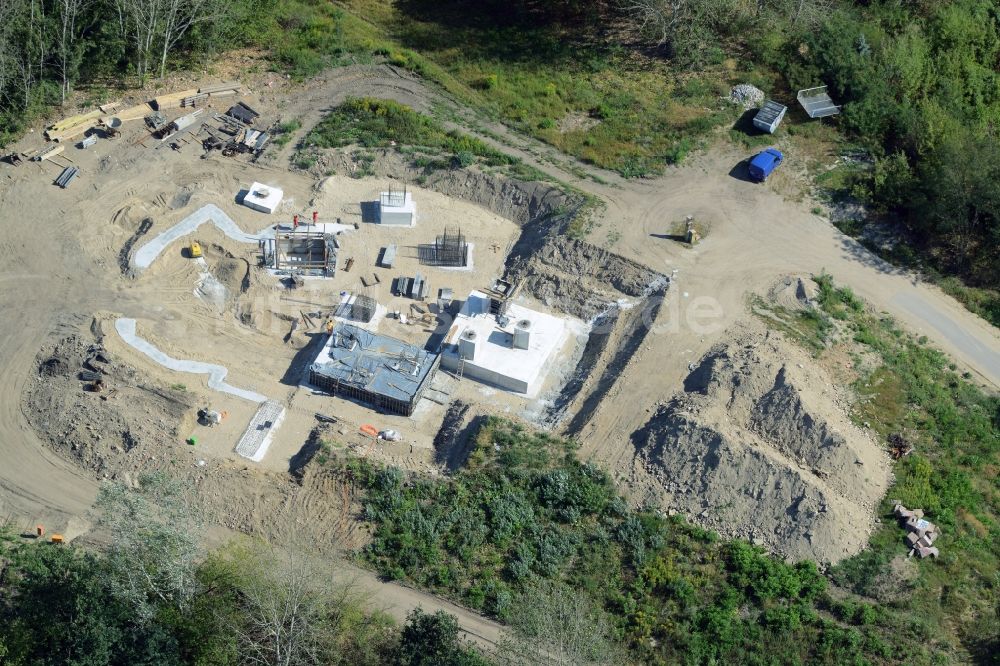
pixel 397 209
pixel 216 373
pixel 263 198
pixel 514 356
pixel 257 437
pixel 208 213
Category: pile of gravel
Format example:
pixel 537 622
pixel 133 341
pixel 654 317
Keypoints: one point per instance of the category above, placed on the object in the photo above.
pixel 747 95
pixel 757 447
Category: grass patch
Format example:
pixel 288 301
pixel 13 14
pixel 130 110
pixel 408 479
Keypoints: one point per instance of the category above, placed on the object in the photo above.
pixel 594 100
pixel 983 302
pixel 283 133
pixel 743 133
pixel 810 328
pixel 583 220
pixel 378 123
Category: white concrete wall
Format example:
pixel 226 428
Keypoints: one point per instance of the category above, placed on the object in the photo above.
pixel 449 362
pixel 396 219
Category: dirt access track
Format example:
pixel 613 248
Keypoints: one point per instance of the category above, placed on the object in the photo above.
pixel 61 274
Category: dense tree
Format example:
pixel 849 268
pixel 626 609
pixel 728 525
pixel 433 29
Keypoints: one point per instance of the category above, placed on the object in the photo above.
pixel 253 604
pixel 56 608
pixel 154 542
pixel 432 640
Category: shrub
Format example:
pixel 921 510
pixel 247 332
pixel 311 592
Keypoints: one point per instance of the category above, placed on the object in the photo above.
pixel 463 159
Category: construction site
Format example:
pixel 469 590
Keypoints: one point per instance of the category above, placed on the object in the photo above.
pixel 200 305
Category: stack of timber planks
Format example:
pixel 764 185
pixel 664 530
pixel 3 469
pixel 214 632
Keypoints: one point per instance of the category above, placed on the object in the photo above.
pixel 74 126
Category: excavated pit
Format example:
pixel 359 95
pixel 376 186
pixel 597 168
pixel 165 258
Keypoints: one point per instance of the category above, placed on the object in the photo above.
pixel 617 295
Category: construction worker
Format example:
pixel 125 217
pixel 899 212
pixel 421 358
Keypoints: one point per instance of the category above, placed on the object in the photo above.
pixel 329 327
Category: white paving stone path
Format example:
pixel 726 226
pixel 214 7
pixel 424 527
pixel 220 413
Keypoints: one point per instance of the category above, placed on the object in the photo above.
pixel 146 254
pixel 216 373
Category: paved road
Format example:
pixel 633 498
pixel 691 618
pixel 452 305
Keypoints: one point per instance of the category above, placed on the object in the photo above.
pixel 984 358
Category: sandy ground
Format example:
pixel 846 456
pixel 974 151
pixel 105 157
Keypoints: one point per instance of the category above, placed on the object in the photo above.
pixel 62 267
pixel 755 235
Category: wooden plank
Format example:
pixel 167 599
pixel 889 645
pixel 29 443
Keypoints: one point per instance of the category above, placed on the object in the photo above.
pixel 173 100
pixel 219 87
pixel 72 121
pixel 49 153
pixel 68 135
pixel 137 112
pixel 70 132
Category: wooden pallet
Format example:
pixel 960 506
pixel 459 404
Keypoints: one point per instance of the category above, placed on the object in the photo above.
pixel 195 100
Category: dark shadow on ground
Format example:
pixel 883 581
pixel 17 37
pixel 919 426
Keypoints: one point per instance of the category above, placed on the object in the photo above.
pixel 744 124
pixel 742 172
pixel 680 238
pixel 501 30
pixel 241 195
pixel 297 463
pixel 445 319
pixel 369 212
pixel 856 251
pixel 295 374
pixel 455 439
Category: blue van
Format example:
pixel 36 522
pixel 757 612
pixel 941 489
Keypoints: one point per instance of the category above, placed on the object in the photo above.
pixel 763 163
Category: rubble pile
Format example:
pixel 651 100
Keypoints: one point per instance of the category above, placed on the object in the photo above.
pixel 747 95
pixel 920 533
pixel 758 447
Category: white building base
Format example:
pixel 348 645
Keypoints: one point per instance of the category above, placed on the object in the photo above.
pixel 397 209
pixel 495 360
pixel 263 198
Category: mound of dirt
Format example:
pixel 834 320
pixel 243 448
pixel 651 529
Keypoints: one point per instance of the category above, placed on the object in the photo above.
pixel 794 292
pixel 582 279
pixel 233 273
pixel 758 446
pixel 128 418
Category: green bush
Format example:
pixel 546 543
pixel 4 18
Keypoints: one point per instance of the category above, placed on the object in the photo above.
pixel 525 509
pixel 378 123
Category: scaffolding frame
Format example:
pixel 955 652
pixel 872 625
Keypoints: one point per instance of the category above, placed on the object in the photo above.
pixel 314 251
pixel 363 308
pixel 449 249
pixel 393 198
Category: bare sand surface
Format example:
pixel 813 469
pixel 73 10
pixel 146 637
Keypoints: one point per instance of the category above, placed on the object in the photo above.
pixel 66 258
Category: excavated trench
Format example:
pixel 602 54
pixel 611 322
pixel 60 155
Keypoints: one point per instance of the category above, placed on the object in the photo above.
pixel 616 295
